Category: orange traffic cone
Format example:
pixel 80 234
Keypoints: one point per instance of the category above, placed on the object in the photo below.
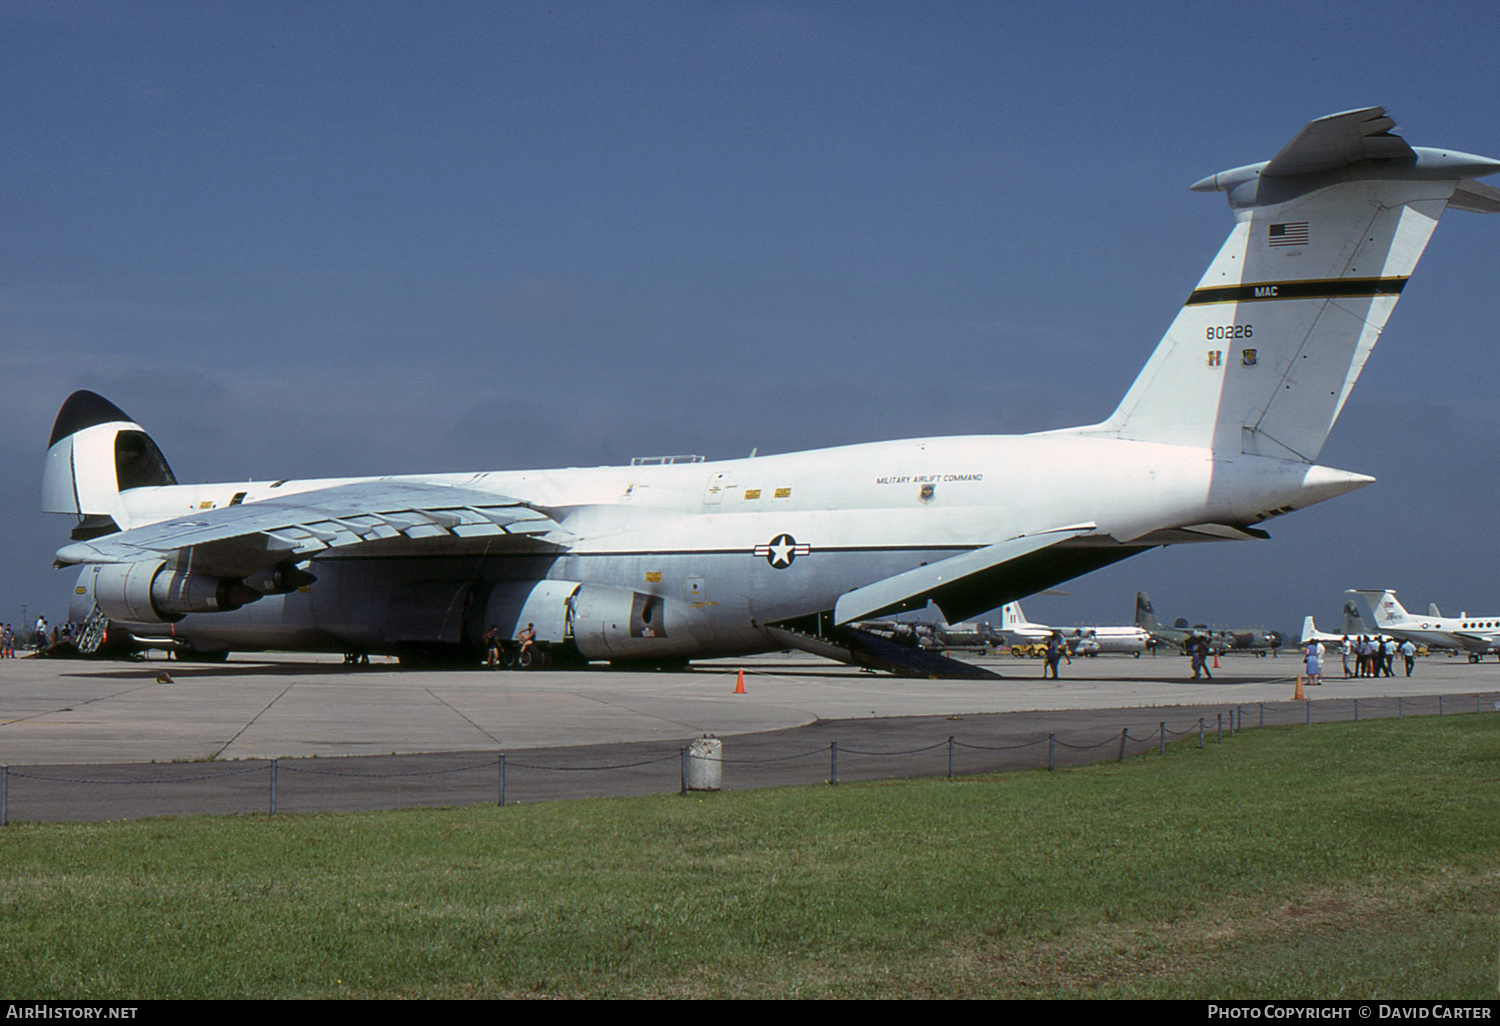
pixel 1299 697
pixel 739 684
pixel 1216 660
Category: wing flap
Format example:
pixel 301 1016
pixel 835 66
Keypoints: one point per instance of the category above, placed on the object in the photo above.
pixel 946 579
pixel 237 540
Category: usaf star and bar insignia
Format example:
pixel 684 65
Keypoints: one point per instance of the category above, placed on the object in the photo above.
pixel 782 550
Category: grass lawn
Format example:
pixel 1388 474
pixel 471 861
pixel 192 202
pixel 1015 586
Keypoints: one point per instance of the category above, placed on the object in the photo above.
pixel 1340 860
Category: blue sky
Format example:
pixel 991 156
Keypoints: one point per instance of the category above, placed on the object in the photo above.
pixel 326 239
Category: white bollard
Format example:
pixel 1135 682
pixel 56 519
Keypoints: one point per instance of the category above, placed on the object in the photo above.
pixel 704 765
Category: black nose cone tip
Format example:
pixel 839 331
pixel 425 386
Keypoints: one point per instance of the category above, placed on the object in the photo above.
pixel 84 409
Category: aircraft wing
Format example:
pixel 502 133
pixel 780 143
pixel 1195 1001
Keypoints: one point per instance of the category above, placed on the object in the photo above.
pixel 233 541
pixel 960 585
pixel 1474 642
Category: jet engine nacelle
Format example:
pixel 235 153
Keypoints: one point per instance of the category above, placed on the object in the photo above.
pixel 148 592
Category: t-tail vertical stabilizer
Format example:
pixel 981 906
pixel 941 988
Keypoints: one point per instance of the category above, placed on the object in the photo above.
pixel 1263 354
pixel 1383 607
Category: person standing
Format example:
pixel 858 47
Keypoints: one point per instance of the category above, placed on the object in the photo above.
pixel 1313 664
pixel 1054 655
pixel 1409 653
pixel 1200 652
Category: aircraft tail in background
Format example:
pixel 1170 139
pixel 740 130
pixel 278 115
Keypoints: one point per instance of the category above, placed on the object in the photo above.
pixel 1354 626
pixel 1354 622
pixel 1145 616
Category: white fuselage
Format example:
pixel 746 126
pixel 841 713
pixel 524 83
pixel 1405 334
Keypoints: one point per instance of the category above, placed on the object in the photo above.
pixel 1478 634
pixel 856 514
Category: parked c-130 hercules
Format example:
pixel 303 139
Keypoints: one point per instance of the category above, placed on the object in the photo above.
pixel 661 563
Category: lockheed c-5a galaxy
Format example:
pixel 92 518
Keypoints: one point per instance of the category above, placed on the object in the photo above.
pixel 656 564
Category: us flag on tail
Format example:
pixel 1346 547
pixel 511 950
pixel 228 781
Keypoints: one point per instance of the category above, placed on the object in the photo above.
pixel 1291 234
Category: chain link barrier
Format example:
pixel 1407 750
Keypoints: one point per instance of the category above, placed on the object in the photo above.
pixel 1280 714
pixel 13 772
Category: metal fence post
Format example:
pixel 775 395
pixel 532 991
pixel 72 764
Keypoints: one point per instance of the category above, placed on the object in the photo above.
pixel 1309 711
pixel 1200 732
pixel 1123 734
pixel 1262 714
pixel 502 781
pixel 273 787
pixel 833 762
pixel 950 756
pixel 1398 707
pixel 1356 710
pixel 1219 739
pixel 1440 705
pixel 1162 750
pixel 1051 738
pixel 4 796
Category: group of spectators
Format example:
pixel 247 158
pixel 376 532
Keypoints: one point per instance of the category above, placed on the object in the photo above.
pixel 1373 656
pixel 33 636
pixel 1376 657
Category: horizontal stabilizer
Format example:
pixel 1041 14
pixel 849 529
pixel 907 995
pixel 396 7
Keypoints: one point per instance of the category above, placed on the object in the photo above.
pixel 1340 139
pixel 1475 197
pixel 957 585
